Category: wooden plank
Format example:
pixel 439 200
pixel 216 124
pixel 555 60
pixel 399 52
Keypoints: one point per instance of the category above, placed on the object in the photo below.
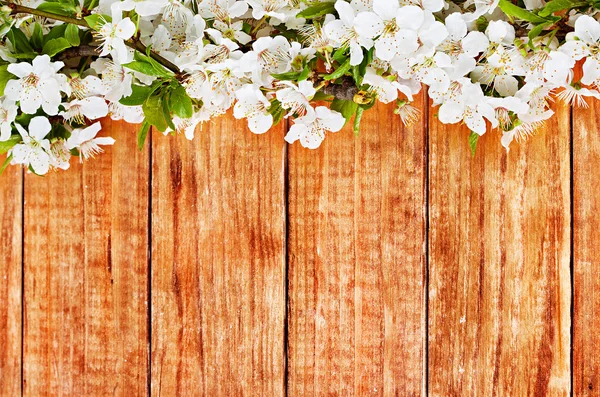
pixel 586 253
pixel 11 189
pixel 499 294
pixel 86 272
pixel 218 262
pixel 357 261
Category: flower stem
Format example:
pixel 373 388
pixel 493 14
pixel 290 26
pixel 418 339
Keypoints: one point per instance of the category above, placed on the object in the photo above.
pixel 133 43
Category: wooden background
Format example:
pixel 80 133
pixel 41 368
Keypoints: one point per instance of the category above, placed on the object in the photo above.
pixel 390 264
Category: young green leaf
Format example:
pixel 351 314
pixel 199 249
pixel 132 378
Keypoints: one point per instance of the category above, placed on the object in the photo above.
pixel 6 163
pixel 357 120
pixel 346 108
pixel 180 103
pixel 153 112
pixel 558 5
pixel 66 10
pixel 317 10
pixel 19 40
pixel 339 72
pixel 276 111
pixel 5 75
pixel 56 46
pixel 520 13
pixel 95 21
pixel 167 113
pixel 72 35
pixel 138 95
pixel 5 146
pixel 473 138
pixel 142 134
pixel 37 36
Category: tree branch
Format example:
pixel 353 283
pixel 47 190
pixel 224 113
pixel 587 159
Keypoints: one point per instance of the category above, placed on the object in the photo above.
pixel 133 43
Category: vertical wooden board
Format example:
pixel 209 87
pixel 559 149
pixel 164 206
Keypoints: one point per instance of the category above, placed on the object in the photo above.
pixel 218 262
pixel 357 261
pixel 10 280
pixel 499 292
pixel 586 253
pixel 86 273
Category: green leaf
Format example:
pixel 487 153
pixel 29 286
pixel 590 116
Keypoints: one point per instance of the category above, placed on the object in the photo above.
pixel 72 35
pixel 276 111
pixel 19 40
pixel 357 120
pixel 160 69
pixel 321 96
pixel 180 103
pixel 54 46
pixel 167 113
pixel 138 95
pixel 5 76
pixel 558 5
pixel 346 108
pixel 153 112
pixel 142 134
pixel 55 32
pixel 57 8
pixel 473 138
pixel 340 55
pixel 339 72
pixel 6 163
pixel 317 10
pixel 37 36
pixel 286 76
pixel 536 31
pixel 142 67
pixel 5 146
pixel 95 21
pixel 520 13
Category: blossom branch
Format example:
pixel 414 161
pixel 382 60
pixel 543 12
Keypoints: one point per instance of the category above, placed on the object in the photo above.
pixel 133 43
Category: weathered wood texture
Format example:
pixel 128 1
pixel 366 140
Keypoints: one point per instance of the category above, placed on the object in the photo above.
pixel 586 251
pixel 357 261
pixel 499 242
pixel 218 262
pixel 85 275
pixel 10 280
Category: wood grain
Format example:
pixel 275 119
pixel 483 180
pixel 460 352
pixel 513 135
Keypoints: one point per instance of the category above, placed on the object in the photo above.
pixel 218 262
pixel 499 293
pixel 85 269
pixel 586 252
pixel 356 261
pixel 10 280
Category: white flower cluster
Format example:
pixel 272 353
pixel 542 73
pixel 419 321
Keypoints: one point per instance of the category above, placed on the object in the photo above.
pixel 172 65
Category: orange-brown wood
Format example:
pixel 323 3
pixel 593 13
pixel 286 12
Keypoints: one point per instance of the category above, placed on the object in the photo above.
pixel 499 239
pixel 586 251
pixel 356 261
pixel 10 280
pixel 85 275
pixel 218 262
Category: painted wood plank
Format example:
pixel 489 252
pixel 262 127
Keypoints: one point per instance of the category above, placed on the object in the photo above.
pixel 499 292
pixel 86 272
pixel 218 262
pixel 10 280
pixel 357 261
pixel 586 255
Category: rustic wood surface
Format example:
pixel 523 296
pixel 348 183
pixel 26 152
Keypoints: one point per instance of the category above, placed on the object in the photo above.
pixel 11 222
pixel 218 262
pixel 357 262
pixel 499 242
pixel 389 264
pixel 86 275
pixel 586 253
